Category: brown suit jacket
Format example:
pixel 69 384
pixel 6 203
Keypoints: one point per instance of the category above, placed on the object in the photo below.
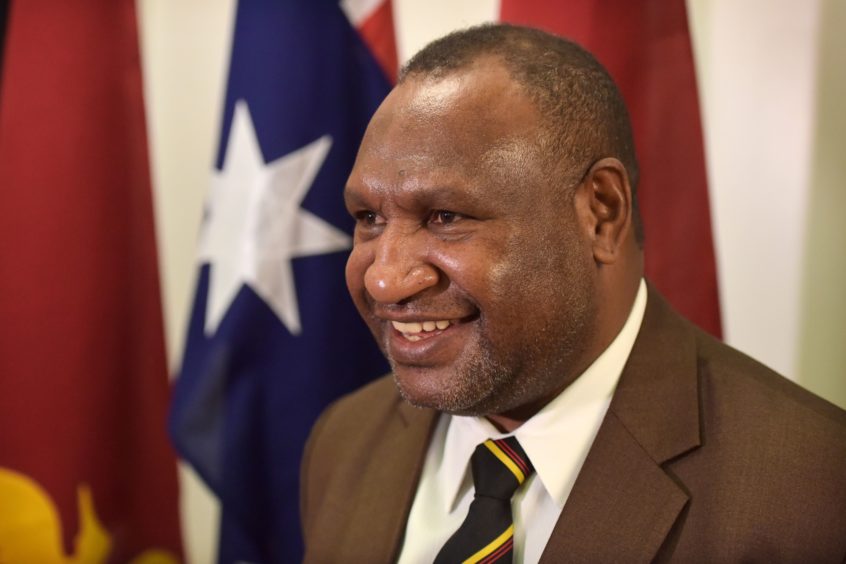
pixel 704 456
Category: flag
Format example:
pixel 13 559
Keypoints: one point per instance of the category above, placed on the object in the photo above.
pixel 645 45
pixel 273 336
pixel 86 470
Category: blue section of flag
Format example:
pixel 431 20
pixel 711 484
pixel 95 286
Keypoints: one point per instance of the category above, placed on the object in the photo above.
pixel 248 395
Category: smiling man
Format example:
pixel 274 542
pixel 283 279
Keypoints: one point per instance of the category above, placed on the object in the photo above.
pixel 545 402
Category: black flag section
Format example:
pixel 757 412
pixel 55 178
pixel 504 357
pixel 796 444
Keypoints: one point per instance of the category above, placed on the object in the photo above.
pixel 4 23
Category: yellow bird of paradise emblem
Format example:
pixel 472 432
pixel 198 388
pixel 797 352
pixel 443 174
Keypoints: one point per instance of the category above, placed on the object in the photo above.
pixel 31 531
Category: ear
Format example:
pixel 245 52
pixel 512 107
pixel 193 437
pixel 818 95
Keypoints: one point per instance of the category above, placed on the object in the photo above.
pixel 606 208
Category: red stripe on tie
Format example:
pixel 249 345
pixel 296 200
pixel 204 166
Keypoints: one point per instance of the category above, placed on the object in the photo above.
pixel 518 460
pixel 499 552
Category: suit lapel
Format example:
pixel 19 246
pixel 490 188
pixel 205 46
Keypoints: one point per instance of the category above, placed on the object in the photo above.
pixel 384 499
pixel 623 503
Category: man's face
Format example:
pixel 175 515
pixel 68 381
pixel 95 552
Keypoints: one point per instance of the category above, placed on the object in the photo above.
pixel 469 265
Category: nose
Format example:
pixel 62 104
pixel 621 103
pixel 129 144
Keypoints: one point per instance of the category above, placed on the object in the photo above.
pixel 399 269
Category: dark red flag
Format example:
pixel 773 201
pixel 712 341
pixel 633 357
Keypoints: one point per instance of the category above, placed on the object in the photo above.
pixel 645 44
pixel 85 466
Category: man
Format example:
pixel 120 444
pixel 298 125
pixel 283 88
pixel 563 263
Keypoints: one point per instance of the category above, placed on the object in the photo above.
pixel 498 263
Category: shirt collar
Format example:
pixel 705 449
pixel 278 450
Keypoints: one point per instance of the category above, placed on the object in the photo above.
pixel 572 418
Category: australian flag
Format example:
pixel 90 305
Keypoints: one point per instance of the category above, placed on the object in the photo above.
pixel 273 336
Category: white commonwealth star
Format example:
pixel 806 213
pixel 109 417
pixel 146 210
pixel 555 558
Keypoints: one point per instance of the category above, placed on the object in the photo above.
pixel 254 224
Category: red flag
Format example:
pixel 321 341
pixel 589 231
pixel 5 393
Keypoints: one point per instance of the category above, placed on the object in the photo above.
pixel 377 31
pixel 85 466
pixel 645 45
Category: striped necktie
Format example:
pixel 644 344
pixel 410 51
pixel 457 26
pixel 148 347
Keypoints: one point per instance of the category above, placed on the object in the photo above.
pixel 487 533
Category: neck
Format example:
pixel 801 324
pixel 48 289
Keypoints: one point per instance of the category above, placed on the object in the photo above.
pixel 506 423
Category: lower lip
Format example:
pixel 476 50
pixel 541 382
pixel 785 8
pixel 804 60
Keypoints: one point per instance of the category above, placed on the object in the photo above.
pixel 438 347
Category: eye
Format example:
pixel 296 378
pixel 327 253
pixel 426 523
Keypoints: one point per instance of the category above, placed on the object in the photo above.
pixel 368 217
pixel 444 217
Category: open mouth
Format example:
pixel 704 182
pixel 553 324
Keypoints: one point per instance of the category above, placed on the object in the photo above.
pixel 429 342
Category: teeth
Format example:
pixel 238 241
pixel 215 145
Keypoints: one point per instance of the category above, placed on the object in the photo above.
pixel 412 327
pixel 411 330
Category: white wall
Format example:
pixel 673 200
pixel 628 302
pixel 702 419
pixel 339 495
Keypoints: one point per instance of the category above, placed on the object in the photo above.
pixel 758 68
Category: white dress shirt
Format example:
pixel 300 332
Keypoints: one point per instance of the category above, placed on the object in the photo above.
pixel 573 418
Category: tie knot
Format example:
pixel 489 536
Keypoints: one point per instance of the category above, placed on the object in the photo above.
pixel 499 467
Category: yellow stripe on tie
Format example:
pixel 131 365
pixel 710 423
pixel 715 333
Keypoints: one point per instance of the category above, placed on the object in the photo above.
pixel 495 544
pixel 505 459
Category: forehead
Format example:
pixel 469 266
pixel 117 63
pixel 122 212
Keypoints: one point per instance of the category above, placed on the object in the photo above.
pixel 472 121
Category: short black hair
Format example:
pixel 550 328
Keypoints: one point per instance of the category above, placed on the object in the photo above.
pixel 582 108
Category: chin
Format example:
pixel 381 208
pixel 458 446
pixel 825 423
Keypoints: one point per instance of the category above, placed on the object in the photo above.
pixel 419 386
pixel 444 390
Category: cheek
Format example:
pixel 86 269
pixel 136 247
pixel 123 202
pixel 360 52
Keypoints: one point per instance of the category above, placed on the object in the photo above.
pixel 515 270
pixel 531 277
pixel 467 267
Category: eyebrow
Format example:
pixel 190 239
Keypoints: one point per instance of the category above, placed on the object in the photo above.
pixel 352 197
pixel 441 192
pixel 433 196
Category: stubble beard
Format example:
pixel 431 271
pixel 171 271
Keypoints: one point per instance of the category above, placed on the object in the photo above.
pixel 485 384
pixel 471 389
